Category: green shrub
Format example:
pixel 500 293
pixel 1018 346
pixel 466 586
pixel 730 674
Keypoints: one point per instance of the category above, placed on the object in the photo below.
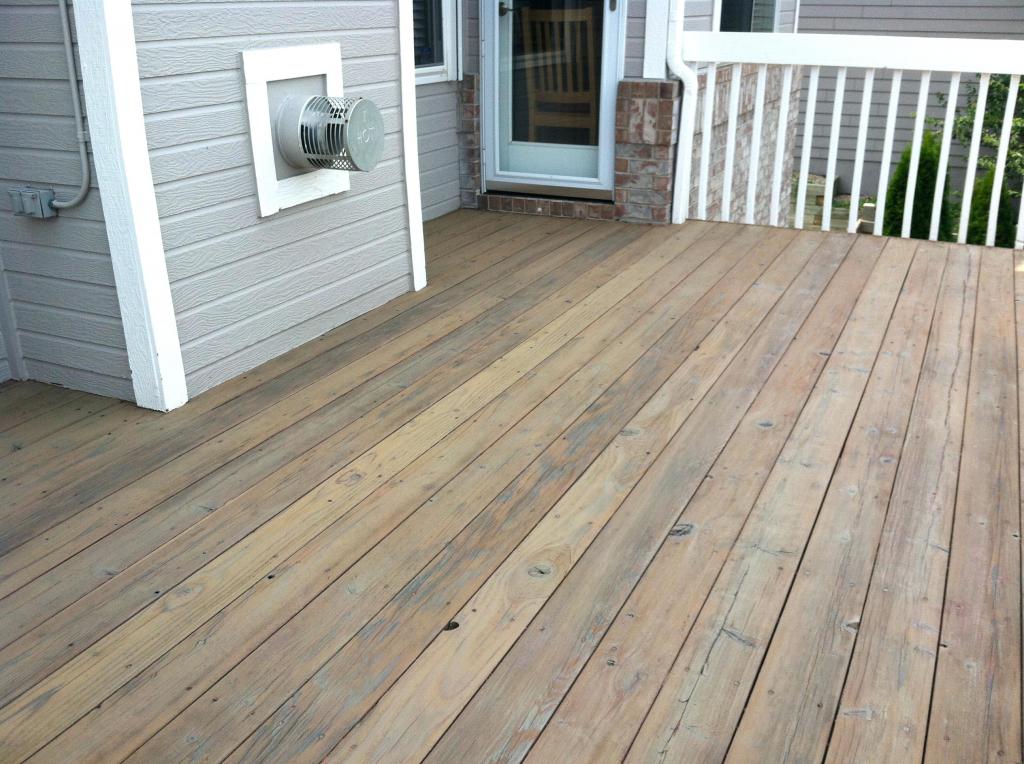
pixel 927 172
pixel 977 225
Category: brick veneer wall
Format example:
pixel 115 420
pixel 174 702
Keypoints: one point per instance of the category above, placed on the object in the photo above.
pixel 744 134
pixel 646 129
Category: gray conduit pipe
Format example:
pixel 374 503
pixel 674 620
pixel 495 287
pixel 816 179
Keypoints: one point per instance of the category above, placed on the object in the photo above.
pixel 76 101
pixel 687 114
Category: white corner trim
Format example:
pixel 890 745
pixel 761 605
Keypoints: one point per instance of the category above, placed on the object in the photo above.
pixel 655 39
pixel 410 146
pixel 265 65
pixel 113 100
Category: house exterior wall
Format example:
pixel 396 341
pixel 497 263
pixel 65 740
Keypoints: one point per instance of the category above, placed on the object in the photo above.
pixel 245 288
pixel 947 18
pixel 437 121
pixel 5 366
pixel 59 281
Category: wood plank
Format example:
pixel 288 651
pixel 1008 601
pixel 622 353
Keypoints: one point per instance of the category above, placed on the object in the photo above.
pixel 688 713
pixel 57 701
pixel 470 267
pixel 426 518
pixel 883 712
pixel 54 420
pixel 671 436
pixel 976 711
pixel 14 391
pixel 283 431
pixel 410 621
pixel 793 703
pixel 365 421
pixel 83 483
pixel 17 412
pixel 440 588
pixel 600 715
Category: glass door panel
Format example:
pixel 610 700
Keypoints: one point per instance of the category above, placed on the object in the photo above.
pixel 553 76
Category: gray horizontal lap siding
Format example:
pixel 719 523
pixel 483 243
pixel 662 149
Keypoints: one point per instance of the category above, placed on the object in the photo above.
pixel 436 118
pixel 945 18
pixel 245 288
pixel 59 278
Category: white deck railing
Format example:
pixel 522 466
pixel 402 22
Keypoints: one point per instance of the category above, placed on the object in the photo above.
pixel 813 52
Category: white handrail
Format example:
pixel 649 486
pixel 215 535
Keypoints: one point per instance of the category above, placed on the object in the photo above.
pixel 841 53
pixel 936 54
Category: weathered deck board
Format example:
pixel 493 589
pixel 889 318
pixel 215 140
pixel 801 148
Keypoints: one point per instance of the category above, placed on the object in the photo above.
pixel 976 706
pixel 883 714
pixel 620 459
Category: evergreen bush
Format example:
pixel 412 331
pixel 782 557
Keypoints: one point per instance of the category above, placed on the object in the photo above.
pixel 927 172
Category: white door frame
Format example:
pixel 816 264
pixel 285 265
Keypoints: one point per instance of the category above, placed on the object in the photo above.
pixel 613 52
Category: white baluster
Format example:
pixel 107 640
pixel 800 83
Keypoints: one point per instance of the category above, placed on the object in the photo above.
pixel 833 148
pixel 972 158
pixel 805 152
pixel 707 124
pixel 947 136
pixel 1004 145
pixel 730 140
pixel 753 166
pixel 915 152
pixel 780 146
pixel 1019 243
pixel 862 139
pixel 890 129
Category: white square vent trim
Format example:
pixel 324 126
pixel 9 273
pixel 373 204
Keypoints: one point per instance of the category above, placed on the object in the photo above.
pixel 271 73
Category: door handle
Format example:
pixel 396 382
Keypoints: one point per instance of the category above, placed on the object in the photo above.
pixel 503 9
pixel 613 5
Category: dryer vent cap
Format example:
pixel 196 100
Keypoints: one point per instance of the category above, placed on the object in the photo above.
pixel 329 133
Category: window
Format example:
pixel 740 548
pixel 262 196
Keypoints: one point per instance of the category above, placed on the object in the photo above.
pixel 747 16
pixel 435 39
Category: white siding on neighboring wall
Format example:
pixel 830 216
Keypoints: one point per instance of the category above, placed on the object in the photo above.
pixel 945 18
pixel 247 289
pixel 58 271
pixel 437 120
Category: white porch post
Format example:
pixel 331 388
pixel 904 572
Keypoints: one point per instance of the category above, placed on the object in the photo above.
pixel 410 145
pixel 655 39
pixel 117 132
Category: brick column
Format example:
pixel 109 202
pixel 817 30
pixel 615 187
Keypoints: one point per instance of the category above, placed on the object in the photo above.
pixel 646 124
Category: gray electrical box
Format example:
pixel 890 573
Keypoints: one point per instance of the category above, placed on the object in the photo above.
pixel 33 202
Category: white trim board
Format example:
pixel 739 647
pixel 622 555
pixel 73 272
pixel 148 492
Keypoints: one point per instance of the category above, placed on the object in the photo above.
pixel 265 65
pixel 655 39
pixel 410 146
pixel 113 100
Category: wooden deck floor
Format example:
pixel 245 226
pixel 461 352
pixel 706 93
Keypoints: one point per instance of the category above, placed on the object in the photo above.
pixel 600 493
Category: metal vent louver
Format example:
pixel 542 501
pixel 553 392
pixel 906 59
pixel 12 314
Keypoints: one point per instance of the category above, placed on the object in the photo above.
pixel 330 133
